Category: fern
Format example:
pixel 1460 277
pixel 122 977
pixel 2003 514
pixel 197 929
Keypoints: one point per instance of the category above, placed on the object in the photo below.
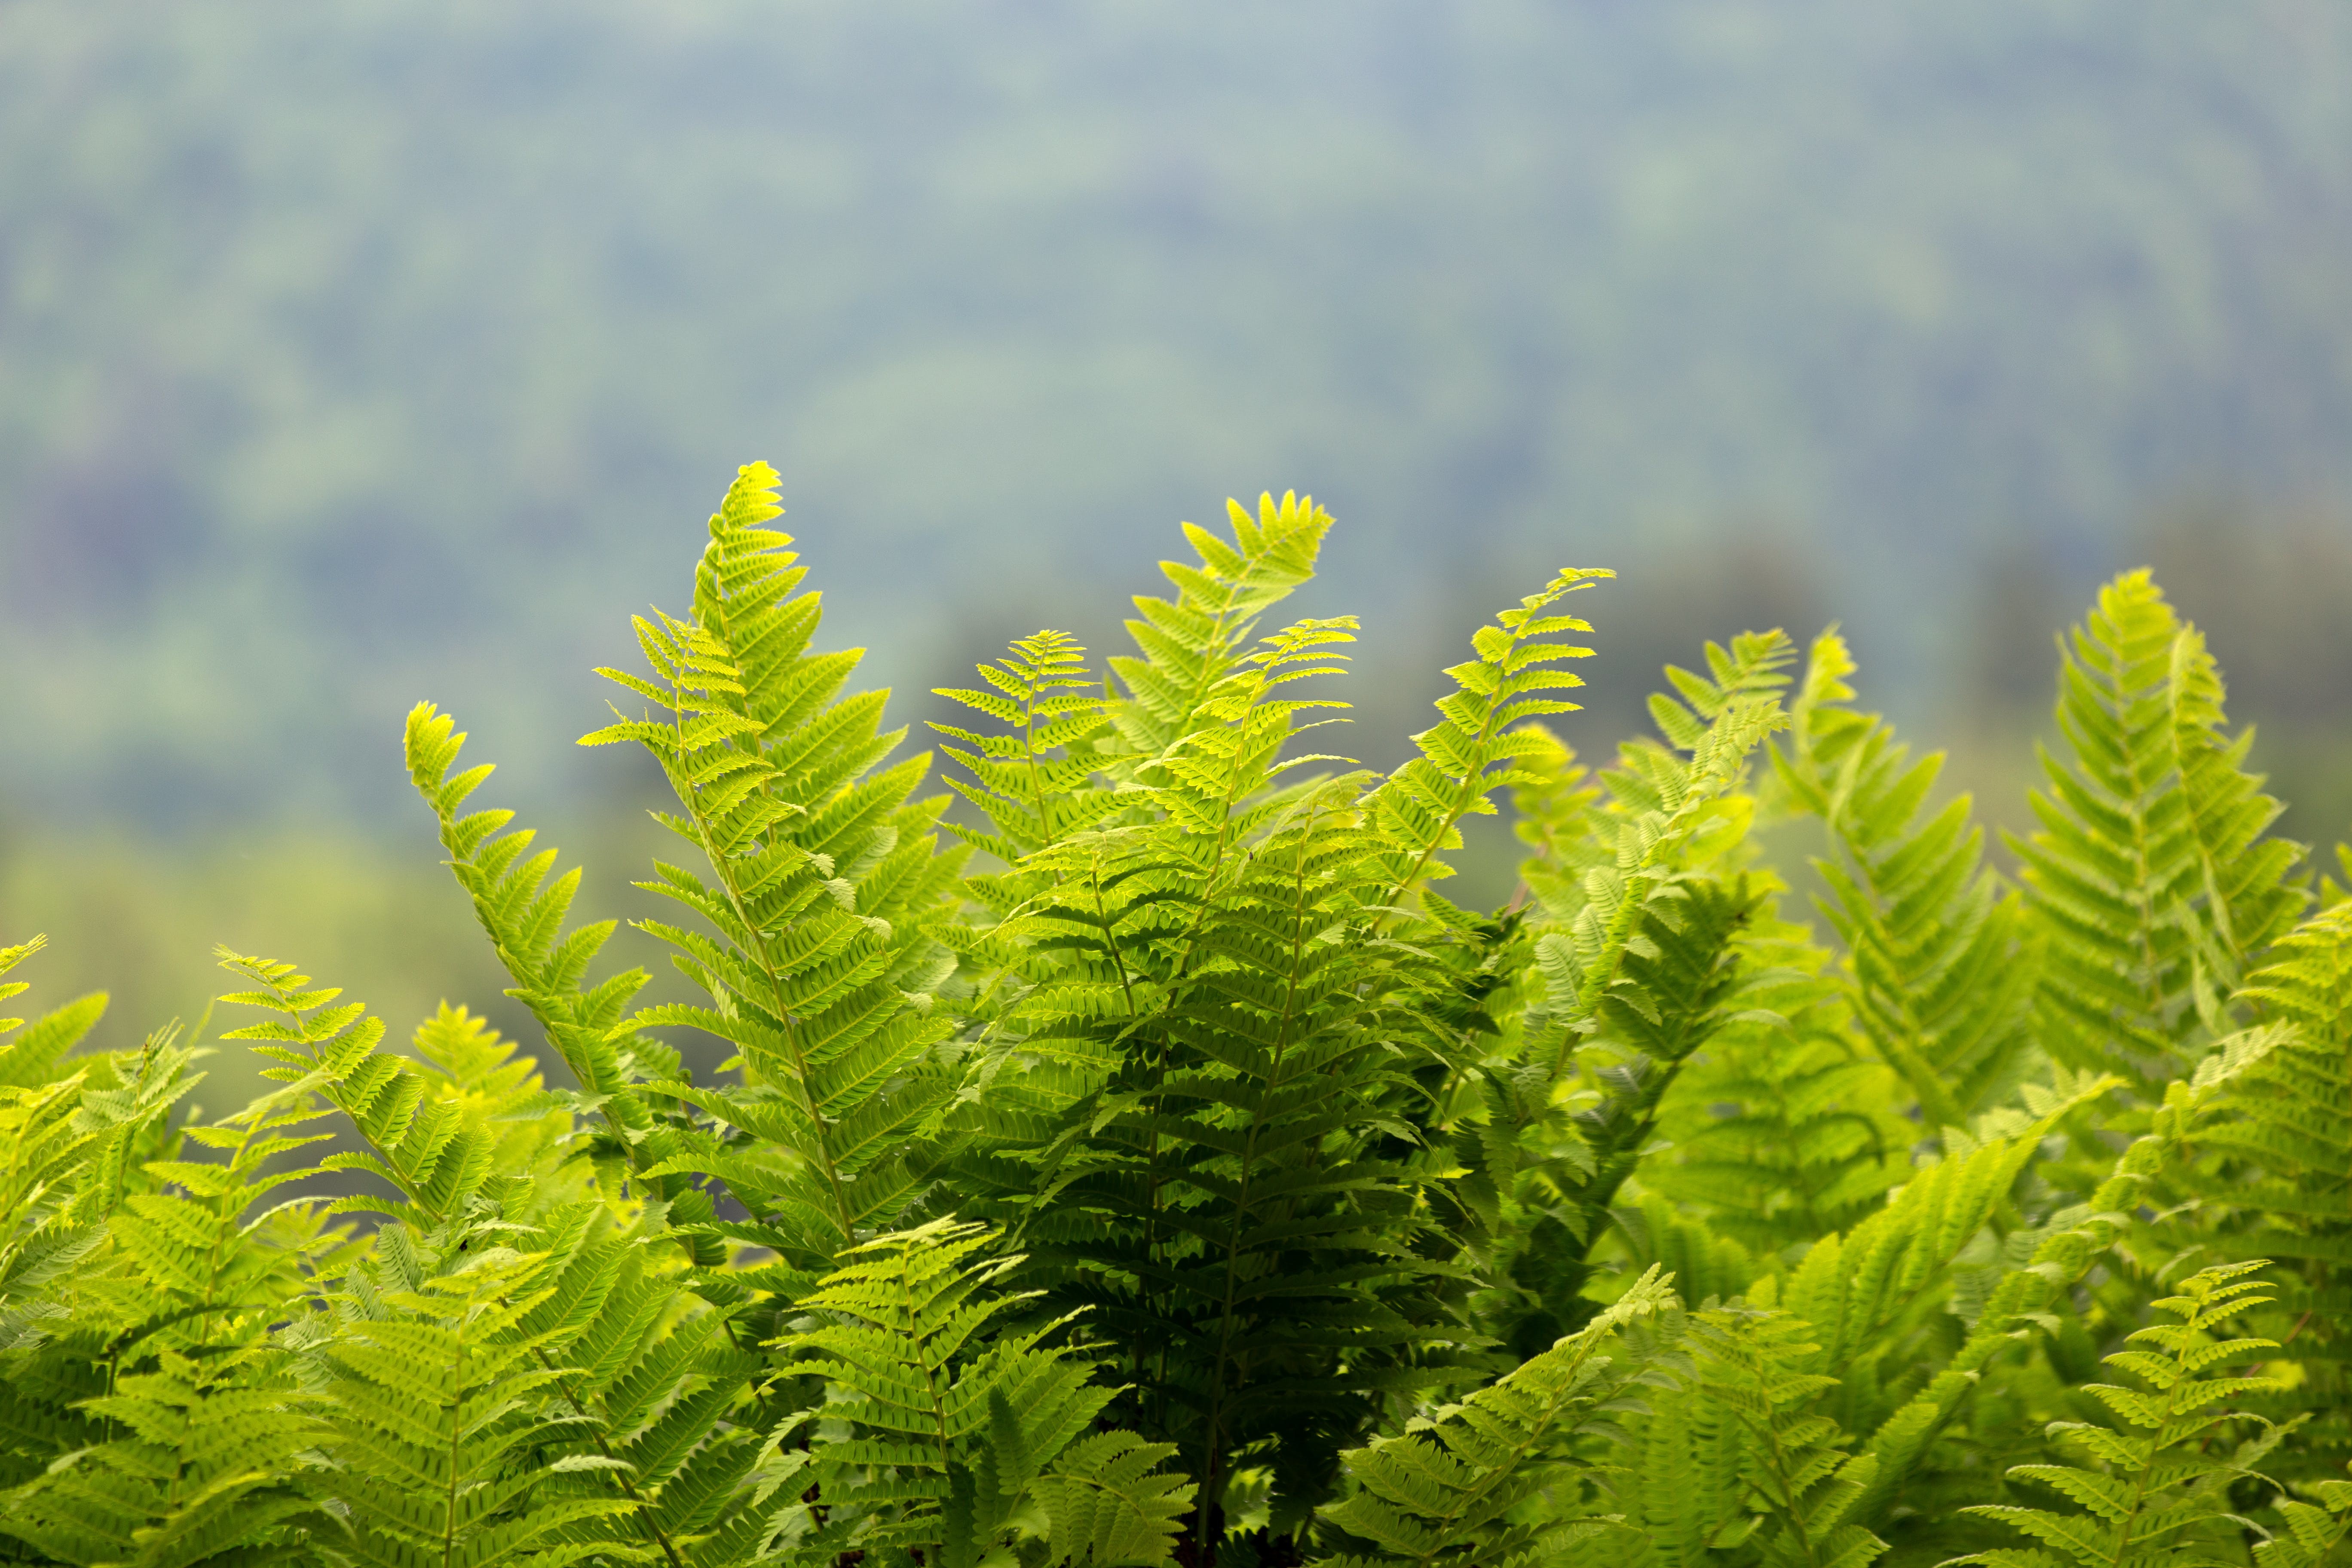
pixel 1801 1485
pixel 1189 645
pixel 523 914
pixel 2147 1496
pixel 1034 783
pixel 2151 881
pixel 1939 965
pixel 1786 1130
pixel 2315 1533
pixel 824 890
pixel 1639 970
pixel 438 1441
pixel 207 1472
pixel 1482 733
pixel 2281 1165
pixel 1455 1485
pixel 1368 1195
pixel 953 1420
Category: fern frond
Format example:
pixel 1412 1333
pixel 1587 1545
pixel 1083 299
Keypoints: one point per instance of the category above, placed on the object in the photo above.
pixel 2146 1496
pixel 2315 1532
pixel 1798 1480
pixel 1484 731
pixel 444 1442
pixel 1938 965
pixel 1189 645
pixel 523 914
pixel 1445 1490
pixel 1785 1131
pixel 208 1469
pixel 1035 783
pixel 2151 880
pixel 825 887
pixel 953 1419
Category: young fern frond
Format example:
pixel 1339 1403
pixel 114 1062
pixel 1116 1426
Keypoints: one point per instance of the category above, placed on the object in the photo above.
pixel 523 915
pixel 1673 814
pixel 1938 965
pixel 2151 880
pixel 1800 1484
pixel 1188 646
pixel 2154 1493
pixel 1034 785
pixel 1452 1490
pixel 1484 730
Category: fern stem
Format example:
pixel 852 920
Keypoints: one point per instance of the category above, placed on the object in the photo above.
pixel 1212 1445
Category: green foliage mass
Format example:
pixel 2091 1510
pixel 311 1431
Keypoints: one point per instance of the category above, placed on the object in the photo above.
pixel 1136 1157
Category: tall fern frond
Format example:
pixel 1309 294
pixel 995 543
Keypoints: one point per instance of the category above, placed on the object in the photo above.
pixel 523 914
pixel 1938 965
pixel 2152 880
pixel 825 891
pixel 1482 731
pixel 1035 783
pixel 1640 970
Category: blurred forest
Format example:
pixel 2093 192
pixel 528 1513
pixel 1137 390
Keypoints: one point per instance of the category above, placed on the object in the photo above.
pixel 396 349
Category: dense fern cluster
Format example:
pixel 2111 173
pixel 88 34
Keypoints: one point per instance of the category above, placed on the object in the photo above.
pixel 1144 1159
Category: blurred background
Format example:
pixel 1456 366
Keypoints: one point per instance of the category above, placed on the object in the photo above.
pixel 396 349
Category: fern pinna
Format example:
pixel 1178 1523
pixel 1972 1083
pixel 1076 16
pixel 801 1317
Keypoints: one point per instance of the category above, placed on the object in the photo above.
pixel 1129 1152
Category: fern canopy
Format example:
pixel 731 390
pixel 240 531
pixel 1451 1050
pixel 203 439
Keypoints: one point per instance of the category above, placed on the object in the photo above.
pixel 1125 1152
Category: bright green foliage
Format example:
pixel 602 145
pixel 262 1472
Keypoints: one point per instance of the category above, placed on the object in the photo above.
pixel 1193 1181
pixel 440 1445
pixel 1639 971
pixel 1187 646
pixel 2285 1164
pixel 1801 1485
pixel 1786 1130
pixel 2315 1533
pixel 1032 783
pixel 1936 971
pixel 2153 1489
pixel 1477 748
pixel 204 1473
pixel 2151 880
pixel 951 1432
pixel 1445 1492
pixel 823 886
